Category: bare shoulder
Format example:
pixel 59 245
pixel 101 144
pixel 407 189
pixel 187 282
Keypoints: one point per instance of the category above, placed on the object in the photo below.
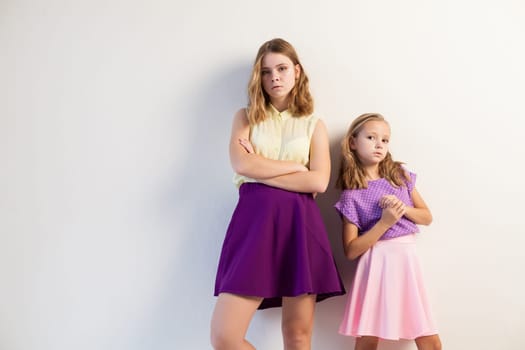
pixel 240 125
pixel 320 130
pixel 241 116
pixel 320 124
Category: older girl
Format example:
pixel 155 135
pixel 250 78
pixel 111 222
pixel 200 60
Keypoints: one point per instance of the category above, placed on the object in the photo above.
pixel 276 251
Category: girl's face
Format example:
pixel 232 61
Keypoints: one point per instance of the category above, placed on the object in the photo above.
pixel 278 74
pixel 371 143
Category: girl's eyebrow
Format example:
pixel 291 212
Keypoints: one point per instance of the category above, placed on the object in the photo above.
pixel 277 65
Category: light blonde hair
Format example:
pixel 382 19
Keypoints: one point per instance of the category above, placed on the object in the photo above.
pixel 301 101
pixel 351 173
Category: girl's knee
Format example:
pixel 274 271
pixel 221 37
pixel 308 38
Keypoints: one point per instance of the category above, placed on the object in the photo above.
pixel 436 343
pixel 429 343
pixel 366 343
pixel 218 340
pixel 296 336
pixel 221 341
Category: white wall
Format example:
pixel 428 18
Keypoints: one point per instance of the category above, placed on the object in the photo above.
pixel 115 184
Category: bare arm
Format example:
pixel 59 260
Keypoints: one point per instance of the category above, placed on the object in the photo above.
pixel 419 214
pixel 250 164
pixel 316 179
pixel 355 245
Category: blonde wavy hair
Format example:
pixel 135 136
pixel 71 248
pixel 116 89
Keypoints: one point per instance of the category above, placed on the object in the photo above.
pixel 301 101
pixel 351 173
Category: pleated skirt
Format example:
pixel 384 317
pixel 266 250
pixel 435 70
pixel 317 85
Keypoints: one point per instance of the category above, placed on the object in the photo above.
pixel 387 298
pixel 276 246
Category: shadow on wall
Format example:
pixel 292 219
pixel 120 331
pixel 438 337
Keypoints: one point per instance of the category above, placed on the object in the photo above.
pixel 197 203
pixel 329 313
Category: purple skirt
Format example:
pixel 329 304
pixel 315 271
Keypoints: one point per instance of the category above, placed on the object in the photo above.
pixel 276 246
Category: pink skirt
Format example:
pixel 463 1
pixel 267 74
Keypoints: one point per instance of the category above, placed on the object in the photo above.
pixel 387 298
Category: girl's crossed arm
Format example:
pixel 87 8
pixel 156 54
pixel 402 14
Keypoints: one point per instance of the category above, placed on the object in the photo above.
pixel 250 164
pixel 354 244
pixel 419 213
pixel 316 179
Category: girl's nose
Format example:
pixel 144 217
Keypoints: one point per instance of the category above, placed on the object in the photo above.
pixel 275 77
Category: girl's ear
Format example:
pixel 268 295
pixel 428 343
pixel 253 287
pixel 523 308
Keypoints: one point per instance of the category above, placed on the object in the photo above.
pixel 352 144
pixel 297 71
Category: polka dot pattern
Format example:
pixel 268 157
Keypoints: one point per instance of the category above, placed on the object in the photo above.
pixel 361 207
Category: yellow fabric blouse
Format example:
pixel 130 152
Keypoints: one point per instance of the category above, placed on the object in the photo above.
pixel 282 137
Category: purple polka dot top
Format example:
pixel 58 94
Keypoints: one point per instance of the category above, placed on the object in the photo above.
pixel 361 207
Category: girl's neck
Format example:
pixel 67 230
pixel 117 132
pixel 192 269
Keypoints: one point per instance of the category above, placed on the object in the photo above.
pixel 281 104
pixel 372 173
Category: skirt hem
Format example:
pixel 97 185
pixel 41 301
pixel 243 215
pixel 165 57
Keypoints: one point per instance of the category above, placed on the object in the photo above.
pixel 276 301
pixel 401 337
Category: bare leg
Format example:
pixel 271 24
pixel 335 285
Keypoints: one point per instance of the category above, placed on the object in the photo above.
pixel 230 321
pixel 298 321
pixel 366 343
pixel 431 342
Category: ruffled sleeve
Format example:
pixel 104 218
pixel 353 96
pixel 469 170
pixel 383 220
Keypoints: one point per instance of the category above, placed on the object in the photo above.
pixel 347 208
pixel 412 183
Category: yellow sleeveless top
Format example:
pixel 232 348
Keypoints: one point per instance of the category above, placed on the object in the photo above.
pixel 281 136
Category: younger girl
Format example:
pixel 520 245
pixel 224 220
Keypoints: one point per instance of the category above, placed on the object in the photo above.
pixel 380 208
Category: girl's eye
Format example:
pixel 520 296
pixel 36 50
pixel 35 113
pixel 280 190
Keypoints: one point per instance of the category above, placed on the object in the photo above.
pixel 370 137
pixel 264 72
pixel 282 68
pixel 385 141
